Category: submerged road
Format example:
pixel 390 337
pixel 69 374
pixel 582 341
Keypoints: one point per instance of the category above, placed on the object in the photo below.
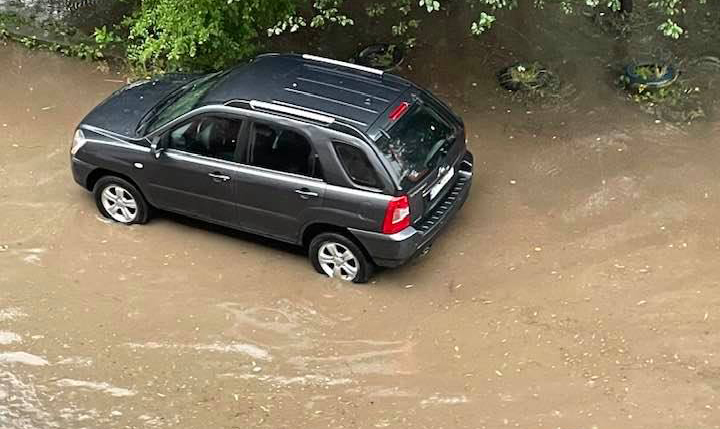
pixel 578 288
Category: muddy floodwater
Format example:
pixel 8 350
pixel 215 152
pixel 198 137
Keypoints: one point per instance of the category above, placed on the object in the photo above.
pixel 578 288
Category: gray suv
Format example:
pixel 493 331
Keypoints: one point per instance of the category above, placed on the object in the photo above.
pixel 361 167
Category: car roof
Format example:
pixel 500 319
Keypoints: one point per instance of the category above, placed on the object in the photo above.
pixel 350 94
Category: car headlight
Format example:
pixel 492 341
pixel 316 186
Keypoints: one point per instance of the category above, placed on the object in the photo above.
pixel 78 142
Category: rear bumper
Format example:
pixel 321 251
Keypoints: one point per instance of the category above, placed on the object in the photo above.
pixel 397 249
pixel 80 171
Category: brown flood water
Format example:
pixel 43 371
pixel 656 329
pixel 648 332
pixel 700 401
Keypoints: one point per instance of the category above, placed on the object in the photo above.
pixel 578 288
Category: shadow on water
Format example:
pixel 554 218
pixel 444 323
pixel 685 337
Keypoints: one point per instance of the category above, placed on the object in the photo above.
pixel 230 232
pixel 283 248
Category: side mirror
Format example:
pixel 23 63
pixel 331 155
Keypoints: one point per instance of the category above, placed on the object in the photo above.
pixel 155 149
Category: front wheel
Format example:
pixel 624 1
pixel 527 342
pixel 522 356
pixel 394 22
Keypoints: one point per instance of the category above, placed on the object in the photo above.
pixel 121 201
pixel 339 257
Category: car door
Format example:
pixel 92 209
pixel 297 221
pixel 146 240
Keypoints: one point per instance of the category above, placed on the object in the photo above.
pixel 281 185
pixel 196 171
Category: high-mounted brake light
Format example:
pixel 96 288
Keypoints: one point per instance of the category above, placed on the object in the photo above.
pixel 400 110
pixel 397 215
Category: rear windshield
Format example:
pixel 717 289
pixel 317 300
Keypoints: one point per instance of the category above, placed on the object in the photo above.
pixel 416 143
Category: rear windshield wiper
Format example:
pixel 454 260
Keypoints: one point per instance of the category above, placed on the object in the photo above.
pixel 390 148
pixel 438 147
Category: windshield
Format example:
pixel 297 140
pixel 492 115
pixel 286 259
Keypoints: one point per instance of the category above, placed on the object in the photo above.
pixel 182 101
pixel 416 143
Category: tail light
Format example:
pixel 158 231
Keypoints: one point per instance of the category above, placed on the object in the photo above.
pixel 397 215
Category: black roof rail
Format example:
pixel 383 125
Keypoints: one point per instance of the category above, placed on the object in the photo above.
pixel 243 104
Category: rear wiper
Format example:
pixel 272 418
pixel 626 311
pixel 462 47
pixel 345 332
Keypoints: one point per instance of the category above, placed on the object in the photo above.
pixel 389 146
pixel 438 146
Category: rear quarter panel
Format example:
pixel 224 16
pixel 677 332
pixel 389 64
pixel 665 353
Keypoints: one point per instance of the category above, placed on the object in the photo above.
pixel 345 204
pixel 353 208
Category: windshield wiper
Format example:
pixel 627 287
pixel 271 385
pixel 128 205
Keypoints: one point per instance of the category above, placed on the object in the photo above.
pixel 147 119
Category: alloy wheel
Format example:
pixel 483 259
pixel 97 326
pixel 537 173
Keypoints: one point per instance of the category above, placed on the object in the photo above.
pixel 338 261
pixel 119 203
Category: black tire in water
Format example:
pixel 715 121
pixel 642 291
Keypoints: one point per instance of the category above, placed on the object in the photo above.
pixel 119 200
pixel 337 256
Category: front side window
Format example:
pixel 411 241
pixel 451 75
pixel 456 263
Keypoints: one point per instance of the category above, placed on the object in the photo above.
pixel 356 165
pixel 283 150
pixel 211 136
pixel 182 101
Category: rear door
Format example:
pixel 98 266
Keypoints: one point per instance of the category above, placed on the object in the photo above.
pixel 197 172
pixel 422 144
pixel 281 184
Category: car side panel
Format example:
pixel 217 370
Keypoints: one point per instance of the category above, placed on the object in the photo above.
pixel 181 182
pixel 115 155
pixel 276 204
pixel 345 204
pixel 353 208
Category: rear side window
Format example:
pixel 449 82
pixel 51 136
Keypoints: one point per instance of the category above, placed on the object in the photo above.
pixel 357 166
pixel 282 150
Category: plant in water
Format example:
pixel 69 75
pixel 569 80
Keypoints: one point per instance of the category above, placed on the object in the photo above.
pixel 384 59
pixel 384 56
pixel 679 102
pixel 524 77
pixel 526 74
pixel 651 71
pixel 649 75
pixel 533 83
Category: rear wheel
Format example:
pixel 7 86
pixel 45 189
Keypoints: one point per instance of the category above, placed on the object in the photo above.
pixel 339 257
pixel 121 201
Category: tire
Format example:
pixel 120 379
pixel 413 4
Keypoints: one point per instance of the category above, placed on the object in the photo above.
pixel 321 255
pixel 132 208
pixel 365 57
pixel 655 82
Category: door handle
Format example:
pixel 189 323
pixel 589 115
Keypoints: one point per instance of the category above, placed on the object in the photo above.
pixel 306 193
pixel 217 177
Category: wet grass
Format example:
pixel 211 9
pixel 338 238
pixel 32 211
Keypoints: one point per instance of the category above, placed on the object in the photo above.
pixel 679 103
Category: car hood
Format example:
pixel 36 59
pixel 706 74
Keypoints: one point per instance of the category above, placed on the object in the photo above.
pixel 122 112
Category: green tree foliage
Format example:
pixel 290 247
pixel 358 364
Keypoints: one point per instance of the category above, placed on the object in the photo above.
pixel 176 35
